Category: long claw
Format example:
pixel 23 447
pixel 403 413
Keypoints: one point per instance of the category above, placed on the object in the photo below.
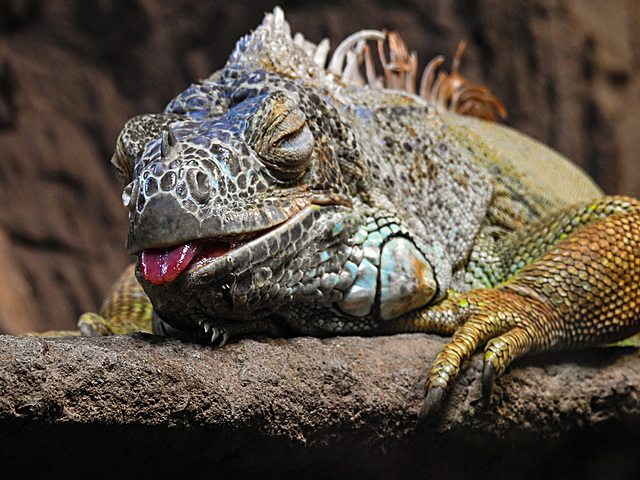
pixel 219 336
pixel 215 334
pixel 434 395
pixel 488 379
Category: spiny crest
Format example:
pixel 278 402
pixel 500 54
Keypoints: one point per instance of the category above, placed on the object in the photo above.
pixel 271 47
pixel 449 91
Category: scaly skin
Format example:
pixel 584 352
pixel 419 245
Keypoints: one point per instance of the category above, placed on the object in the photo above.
pixel 581 292
pixel 280 196
pixel 126 310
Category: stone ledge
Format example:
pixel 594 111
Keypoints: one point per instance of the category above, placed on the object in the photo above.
pixel 304 407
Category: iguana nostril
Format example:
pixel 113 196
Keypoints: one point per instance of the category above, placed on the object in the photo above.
pixel 199 185
pixel 203 182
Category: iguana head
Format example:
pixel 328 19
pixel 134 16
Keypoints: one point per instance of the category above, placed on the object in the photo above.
pixel 241 174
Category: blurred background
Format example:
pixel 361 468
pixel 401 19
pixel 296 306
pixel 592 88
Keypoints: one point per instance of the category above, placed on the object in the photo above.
pixel 71 74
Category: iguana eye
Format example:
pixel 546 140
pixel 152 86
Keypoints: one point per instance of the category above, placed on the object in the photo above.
pixel 135 135
pixel 279 134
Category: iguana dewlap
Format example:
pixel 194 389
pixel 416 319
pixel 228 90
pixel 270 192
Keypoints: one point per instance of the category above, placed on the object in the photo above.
pixel 283 195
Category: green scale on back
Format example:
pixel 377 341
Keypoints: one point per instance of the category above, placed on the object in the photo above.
pixel 288 195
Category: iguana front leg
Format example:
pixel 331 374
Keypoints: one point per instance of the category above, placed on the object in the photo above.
pixel 127 309
pixel 583 291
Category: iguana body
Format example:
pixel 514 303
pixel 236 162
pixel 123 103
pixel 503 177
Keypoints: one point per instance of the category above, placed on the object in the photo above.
pixel 279 196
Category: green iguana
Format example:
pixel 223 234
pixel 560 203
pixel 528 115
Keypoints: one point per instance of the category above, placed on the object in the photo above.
pixel 288 195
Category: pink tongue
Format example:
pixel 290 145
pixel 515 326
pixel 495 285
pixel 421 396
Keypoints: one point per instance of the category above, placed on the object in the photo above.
pixel 163 265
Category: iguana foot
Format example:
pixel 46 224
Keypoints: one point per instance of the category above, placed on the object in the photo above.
pixel 93 325
pixel 582 292
pixel 126 310
pixel 510 323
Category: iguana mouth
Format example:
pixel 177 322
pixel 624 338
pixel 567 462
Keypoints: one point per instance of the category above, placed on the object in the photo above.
pixel 163 265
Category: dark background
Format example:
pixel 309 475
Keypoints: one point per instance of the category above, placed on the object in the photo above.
pixel 71 73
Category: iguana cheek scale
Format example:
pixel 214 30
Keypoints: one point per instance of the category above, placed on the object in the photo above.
pixel 381 210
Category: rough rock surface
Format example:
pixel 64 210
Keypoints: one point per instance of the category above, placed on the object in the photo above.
pixel 307 408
